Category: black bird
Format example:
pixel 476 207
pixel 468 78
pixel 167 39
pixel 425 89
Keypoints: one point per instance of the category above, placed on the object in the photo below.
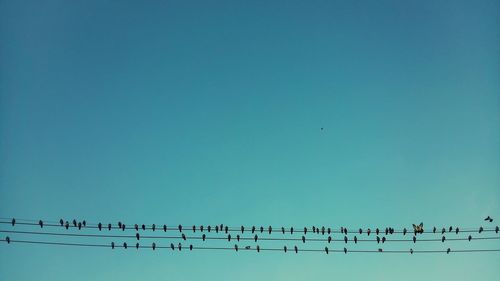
pixel 165 228
pixel 380 250
pixel 153 246
pixel 236 247
pixel 125 245
pixel 470 237
pixel 261 229
pixel 13 222
pixel 238 237
pixel 386 231
pixel 180 228
pixel 283 230
pixel 203 237
pixel 480 229
pixel 253 229
pixel 183 236
pixel 414 239
pixel 383 239
pixel 255 237
pixel 258 248
pixel 443 238
pixel 345 230
pixel 61 222
pixel 153 227
pixel 443 230
pixel 226 229
pixel 411 251
pixel 345 239
pixel 314 229
pixel 242 229
pixel 247 247
pixel 216 229
pixel 496 229
pixel 303 239
pixel 377 231
pixel 143 227
pixel 112 245
pixel 136 227
pixel 109 226
pixel 323 230
pixel 229 237
pixel 326 250
pixel 345 250
pixel 194 228
pixel 74 223
pixel 448 251
pixel 296 249
pixel 209 228
pixel 123 227
pixel 329 239
pixel 378 240
pixel 201 228
pixel 40 222
pixel 360 231
pixel 450 229
pixel 66 225
pixel 191 247
pixel 419 228
pixel 329 230
pixel 456 230
pixel 119 224
pixel 137 246
pixel 404 231
pixel 284 249
pixel 79 225
pixel 172 246
pixel 179 246
pixel 291 230
pixel 305 230
pixel 137 236
pixel 355 240
pixel 391 230
pixel 7 239
pixel 488 219
pixel 434 230
pixel 368 231
pixel 270 229
pixel 84 223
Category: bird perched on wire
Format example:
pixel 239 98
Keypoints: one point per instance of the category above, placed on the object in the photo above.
pixel 13 222
pixel 296 249
pixel 488 219
pixel 40 222
pixel 179 246
pixel 61 222
pixel 418 228
pixel 326 250
pixel 7 239
pixel 247 247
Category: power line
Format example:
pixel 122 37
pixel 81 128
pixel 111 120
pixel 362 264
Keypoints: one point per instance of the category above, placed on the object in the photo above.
pixel 258 249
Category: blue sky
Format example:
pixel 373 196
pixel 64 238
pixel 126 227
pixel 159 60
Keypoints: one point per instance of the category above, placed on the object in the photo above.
pixel 205 113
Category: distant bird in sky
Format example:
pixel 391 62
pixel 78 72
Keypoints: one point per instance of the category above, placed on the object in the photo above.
pixel 488 219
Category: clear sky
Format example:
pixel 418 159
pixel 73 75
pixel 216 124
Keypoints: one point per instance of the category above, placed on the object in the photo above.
pixel 208 112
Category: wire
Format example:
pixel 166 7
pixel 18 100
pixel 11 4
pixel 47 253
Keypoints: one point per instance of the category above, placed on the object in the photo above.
pixel 253 249
pixel 240 238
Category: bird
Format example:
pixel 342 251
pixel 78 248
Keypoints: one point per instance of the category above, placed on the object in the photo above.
pixel 296 249
pixel 368 231
pixel 136 227
pixel 153 227
pixel 191 247
pixel 480 229
pixel 386 231
pixel 13 222
pixel 329 230
pixel 194 228
pixel 305 230
pixel 119 224
pixel 411 251
pixel 179 246
pixel 448 250
pixel 258 248
pixel 496 229
pixel 323 230
pixel 143 227
pixel 164 228
pixel 84 223
pixel 345 250
pixel 172 246
pixel 238 237
pixel 450 229
pixel 153 246
pixel 291 230
pixel 180 228
pixel 209 228
pixel 355 240
pixel 383 239
pixel 123 227
pixel 488 219
pixel 112 245
pixel 125 245
pixel 137 236
pixel 7 239
pixel 326 250
pixel 345 239
pixel 216 229
pixel 314 229
pixel 470 237
pixel 360 231
pixel 419 228
pixel 443 239
pixel 236 247
pixel 283 230
pixel 329 239
pixel 261 229
pixel 247 247
pixel 183 236
pixel 345 230
pixel 137 246
pixel 456 230
pixel 74 223
pixel 79 225
pixel 40 222
pixel 203 237
pixel 434 230
pixel 404 231
pixel 226 229
pixel 443 230
pixel 61 222
pixel 414 239
pixel 255 237
pixel 243 229
pixel 109 226
pixel 66 225
pixel 303 239
pixel 229 237
pixel 270 229
pixel 378 240
pixel 284 249
pixel 253 229
pixel 380 250
pixel 377 231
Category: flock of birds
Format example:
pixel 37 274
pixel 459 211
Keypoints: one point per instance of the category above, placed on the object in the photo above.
pixel 242 233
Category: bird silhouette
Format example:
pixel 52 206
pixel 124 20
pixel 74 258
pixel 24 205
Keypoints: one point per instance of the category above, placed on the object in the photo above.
pixel 291 230
pixel 261 229
pixel 329 230
pixel 253 229
pixel 345 230
pixel 179 246
pixel 345 239
pixel 123 227
pixel 414 239
pixel 434 230
pixel 191 247
pixel 209 228
pixel 456 230
pixel 236 247
pixel 153 227
pixel 7 239
pixel 79 225
pixel 61 222
pixel 377 231
pixel 404 231
pixel 137 236
pixel 326 250
pixel 172 246
pixel 481 229
pixel 136 227
pixel 469 238
pixel 355 240
pixel 296 249
pixel 137 246
pixel 418 228
pixel 450 229
pixel 119 224
pixel 226 229
pixel 386 231
pixel 180 228
pixel 443 230
pixel 194 228
pixel 247 247
pixel 40 223
pixel 314 229
pixel 443 239
pixel 229 237
pixel 448 250
pixel 238 237
pixel 109 226
pixel 360 231
pixel 345 250
pixel 380 250
pixel 153 246
pixel 284 249
pixel 84 223
pixel 329 239
pixel 242 229
pixel 383 239
pixel 258 248
pixel 488 219
pixel 201 228
pixel 164 228
pixel 125 245
pixel 305 230
pixel 496 229
pixel 66 225
pixel 283 230
pixel 368 231
pixel 323 230
pixel 203 237
pixel 112 245
pixel 378 240
pixel 13 222
pixel 216 229
pixel 270 229
pixel 183 236
pixel 255 237
pixel 74 223
pixel 411 251
pixel 303 239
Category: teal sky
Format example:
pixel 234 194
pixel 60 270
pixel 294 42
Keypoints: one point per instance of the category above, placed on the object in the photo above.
pixel 209 112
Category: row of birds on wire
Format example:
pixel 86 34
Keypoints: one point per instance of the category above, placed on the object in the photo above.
pixel 417 229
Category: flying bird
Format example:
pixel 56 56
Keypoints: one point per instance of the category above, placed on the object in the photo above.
pixel 419 228
pixel 488 219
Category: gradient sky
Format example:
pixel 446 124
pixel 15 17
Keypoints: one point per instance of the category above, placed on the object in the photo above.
pixel 208 112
